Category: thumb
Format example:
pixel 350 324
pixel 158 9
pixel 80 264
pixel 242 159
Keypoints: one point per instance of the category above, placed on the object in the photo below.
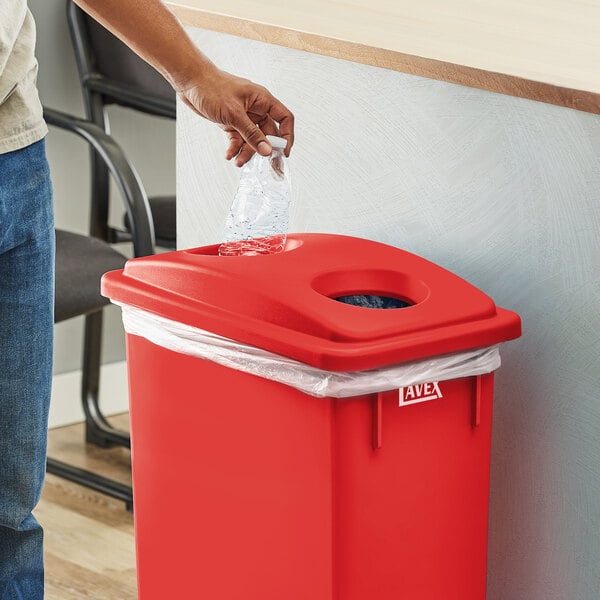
pixel 252 134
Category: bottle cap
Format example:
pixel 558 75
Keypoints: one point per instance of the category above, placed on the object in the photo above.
pixel 277 142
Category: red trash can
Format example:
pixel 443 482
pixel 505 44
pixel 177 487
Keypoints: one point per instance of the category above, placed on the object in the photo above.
pixel 287 446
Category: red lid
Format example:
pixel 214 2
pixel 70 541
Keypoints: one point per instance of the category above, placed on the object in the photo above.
pixel 284 302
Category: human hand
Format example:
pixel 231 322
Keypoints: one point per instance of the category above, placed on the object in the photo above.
pixel 247 112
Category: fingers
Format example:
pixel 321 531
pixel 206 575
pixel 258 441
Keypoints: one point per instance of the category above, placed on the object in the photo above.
pixel 275 113
pixel 278 112
pixel 238 148
pixel 262 115
pixel 235 144
pixel 244 156
pixel 268 127
pixel 253 135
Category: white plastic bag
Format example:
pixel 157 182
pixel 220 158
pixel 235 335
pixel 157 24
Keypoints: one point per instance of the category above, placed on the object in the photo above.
pixel 316 382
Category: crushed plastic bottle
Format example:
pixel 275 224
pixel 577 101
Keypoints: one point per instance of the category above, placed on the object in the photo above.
pixel 258 219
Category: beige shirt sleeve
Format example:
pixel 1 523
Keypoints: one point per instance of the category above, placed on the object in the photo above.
pixel 21 122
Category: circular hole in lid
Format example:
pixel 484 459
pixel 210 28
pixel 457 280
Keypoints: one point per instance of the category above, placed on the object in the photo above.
pixel 373 301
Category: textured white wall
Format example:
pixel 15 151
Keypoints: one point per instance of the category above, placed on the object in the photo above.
pixel 149 142
pixel 503 191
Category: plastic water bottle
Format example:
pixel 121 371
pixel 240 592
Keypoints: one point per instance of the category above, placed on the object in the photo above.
pixel 258 219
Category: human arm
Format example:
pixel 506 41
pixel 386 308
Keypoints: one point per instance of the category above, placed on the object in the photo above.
pixel 151 30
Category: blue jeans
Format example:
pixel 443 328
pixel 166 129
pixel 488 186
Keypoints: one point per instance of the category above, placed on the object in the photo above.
pixel 26 328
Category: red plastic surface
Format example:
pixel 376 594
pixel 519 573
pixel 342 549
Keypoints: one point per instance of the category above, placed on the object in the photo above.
pixel 283 302
pixel 248 489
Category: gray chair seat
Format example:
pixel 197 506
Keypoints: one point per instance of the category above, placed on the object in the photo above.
pixel 80 263
pixel 164 216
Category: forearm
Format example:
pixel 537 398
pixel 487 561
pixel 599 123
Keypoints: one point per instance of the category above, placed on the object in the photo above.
pixel 150 29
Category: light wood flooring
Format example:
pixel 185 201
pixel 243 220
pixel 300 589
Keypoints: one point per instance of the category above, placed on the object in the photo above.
pixel 89 542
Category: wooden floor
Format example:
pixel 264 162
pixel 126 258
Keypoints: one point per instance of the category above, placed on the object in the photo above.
pixel 89 543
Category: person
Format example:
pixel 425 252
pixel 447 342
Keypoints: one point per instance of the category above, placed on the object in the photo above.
pixel 246 112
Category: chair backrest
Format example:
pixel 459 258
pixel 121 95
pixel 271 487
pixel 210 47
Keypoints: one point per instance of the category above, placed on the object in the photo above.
pixel 111 73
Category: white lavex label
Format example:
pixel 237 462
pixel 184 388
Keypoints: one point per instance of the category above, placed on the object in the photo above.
pixel 421 392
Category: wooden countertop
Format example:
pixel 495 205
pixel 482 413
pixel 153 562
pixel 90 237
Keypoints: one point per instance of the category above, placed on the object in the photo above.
pixel 546 50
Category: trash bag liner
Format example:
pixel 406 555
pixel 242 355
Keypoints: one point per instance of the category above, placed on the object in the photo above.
pixel 186 339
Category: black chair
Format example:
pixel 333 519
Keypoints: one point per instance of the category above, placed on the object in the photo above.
pixel 111 74
pixel 80 262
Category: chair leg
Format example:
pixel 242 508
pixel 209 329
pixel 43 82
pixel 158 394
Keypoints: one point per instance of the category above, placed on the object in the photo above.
pixel 98 430
pixel 112 488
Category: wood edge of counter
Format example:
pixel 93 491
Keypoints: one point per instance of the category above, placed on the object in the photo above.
pixel 388 59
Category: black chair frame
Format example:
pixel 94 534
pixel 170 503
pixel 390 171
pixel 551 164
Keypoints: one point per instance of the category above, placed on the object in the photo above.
pixel 99 91
pixel 138 210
